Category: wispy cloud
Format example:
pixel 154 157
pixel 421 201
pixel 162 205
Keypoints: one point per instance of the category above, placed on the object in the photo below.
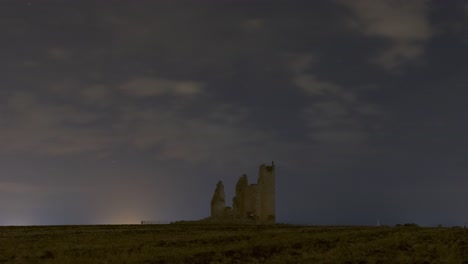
pixel 253 24
pixel 299 62
pixel 312 86
pixel 335 114
pixel 14 187
pixel 96 93
pixel 169 133
pixel 36 127
pixel 334 122
pixel 58 53
pixel 157 87
pixel 194 140
pixel 23 188
pixel 405 24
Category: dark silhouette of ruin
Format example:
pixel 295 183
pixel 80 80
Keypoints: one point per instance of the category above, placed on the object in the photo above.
pixel 253 202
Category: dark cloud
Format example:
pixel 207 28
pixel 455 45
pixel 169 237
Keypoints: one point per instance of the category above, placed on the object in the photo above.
pixel 404 24
pixel 158 87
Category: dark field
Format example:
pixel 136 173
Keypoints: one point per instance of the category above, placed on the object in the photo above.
pixel 191 243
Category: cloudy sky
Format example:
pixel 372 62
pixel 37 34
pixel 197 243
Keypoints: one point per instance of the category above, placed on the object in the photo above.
pixel 121 111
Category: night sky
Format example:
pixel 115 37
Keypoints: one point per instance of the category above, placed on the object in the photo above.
pixel 119 111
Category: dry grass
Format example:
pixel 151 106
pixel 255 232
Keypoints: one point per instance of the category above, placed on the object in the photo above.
pixel 198 243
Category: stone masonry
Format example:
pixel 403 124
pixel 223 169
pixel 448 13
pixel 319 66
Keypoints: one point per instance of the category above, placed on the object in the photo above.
pixel 252 203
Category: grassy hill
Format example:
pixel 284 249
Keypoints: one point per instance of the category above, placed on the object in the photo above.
pixel 203 243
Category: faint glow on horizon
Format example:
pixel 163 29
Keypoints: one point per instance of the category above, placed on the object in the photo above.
pixel 17 220
pixel 124 216
pixel 121 220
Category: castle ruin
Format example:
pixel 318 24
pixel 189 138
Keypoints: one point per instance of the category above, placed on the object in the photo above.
pixel 252 203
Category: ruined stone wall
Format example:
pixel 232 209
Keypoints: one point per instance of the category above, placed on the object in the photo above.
pixel 251 201
pixel 254 202
pixel 240 200
pixel 218 204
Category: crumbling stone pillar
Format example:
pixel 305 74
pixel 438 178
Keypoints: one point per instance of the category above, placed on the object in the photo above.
pixel 266 184
pixel 218 201
pixel 240 209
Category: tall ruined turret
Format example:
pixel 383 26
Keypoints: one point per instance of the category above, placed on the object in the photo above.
pixel 254 203
pixel 218 201
pixel 266 194
pixel 239 201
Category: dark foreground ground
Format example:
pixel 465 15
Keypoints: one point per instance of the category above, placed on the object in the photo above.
pixel 190 243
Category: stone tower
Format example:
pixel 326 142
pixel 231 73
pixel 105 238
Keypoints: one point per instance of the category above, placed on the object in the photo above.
pixel 256 201
pixel 239 201
pixel 266 194
pixel 253 203
pixel 218 201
